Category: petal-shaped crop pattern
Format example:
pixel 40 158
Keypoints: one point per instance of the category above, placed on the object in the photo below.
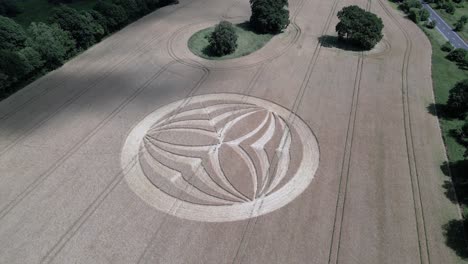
pixel 220 157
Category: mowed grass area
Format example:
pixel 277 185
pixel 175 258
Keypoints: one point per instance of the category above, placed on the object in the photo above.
pixel 452 19
pixel 445 74
pixel 40 10
pixel 247 42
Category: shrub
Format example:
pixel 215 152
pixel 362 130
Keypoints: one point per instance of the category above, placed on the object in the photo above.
pixel 424 14
pixel 460 24
pixel 447 47
pixel 9 8
pixel 362 28
pixel 51 42
pixel 457 55
pixel 414 15
pixel 12 35
pixel 13 66
pixel 223 40
pixel 458 99
pixel 269 16
pixel 431 24
pixel 32 58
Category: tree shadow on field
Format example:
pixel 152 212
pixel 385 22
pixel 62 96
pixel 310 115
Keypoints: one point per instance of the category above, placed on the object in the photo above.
pixel 455 238
pixel 458 173
pixel 329 41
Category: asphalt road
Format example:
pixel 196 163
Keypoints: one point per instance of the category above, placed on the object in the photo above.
pixel 445 29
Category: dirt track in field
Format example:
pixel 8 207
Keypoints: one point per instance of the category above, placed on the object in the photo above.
pixel 139 152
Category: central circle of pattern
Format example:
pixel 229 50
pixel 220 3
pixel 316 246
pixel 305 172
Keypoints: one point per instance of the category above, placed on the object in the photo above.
pixel 220 157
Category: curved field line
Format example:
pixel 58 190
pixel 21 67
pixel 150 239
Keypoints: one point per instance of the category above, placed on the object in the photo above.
pixel 424 253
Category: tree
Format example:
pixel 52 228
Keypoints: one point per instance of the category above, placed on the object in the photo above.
pixel 424 14
pixel 12 66
pixel 32 58
pixel 450 8
pixel 458 99
pixel 115 15
pixel 130 6
pixel 414 15
pixel 12 35
pixel 457 55
pixel 269 16
pixel 223 40
pixel 51 42
pixel 9 8
pixel 460 24
pixel 360 27
pixel 431 24
pixel 408 4
pixel 447 47
pixel 80 26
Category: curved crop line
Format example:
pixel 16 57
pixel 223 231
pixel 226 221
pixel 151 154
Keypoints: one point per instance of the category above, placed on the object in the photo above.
pixel 177 180
pixel 259 149
pixel 194 163
pixel 219 118
pixel 250 165
pixel 199 131
pixel 251 133
pixel 198 123
pixel 283 162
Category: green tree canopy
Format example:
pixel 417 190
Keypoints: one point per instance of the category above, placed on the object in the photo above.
pixel 223 40
pixel 12 35
pixel 9 8
pixel 362 28
pixel 269 16
pixel 51 42
pixel 115 15
pixel 458 99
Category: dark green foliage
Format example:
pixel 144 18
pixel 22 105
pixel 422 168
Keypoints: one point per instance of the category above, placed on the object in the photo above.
pixel 223 40
pixel 101 20
pixel 460 24
pixel 458 99
pixel 431 24
pixel 80 26
pixel 408 4
pixel 447 47
pixel 414 15
pixel 13 66
pixel 130 6
pixel 12 35
pixel 457 55
pixel 449 8
pixel 32 58
pixel 360 27
pixel 424 14
pixel 269 16
pixel 9 8
pixel 115 15
pixel 51 42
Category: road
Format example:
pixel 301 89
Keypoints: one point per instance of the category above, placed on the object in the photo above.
pixel 445 29
pixel 138 151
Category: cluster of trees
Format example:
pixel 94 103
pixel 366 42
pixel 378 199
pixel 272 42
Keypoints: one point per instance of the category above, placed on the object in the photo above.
pixel 447 5
pixel 414 10
pixel 269 16
pixel 41 47
pixel 461 23
pixel 359 27
pixel 223 40
pixel 457 106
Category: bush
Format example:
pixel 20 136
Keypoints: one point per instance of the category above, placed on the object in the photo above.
pixel 12 35
pixel 269 16
pixel 460 24
pixel 9 8
pixel 32 58
pixel 424 14
pixel 457 55
pixel 115 15
pixel 447 47
pixel 51 42
pixel 414 15
pixel 431 24
pixel 360 27
pixel 458 99
pixel 223 40
pixel 12 66
pixel 408 4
